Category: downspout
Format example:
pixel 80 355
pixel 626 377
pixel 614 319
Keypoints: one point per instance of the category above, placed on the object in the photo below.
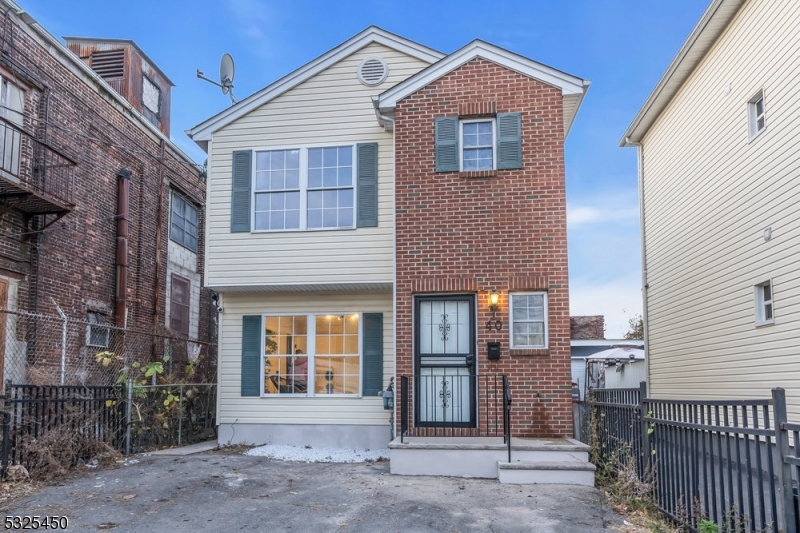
pixel 388 125
pixel 643 242
pixel 159 230
pixel 123 202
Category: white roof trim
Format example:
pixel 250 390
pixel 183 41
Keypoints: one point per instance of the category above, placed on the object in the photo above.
pixel 711 25
pixel 305 287
pixel 567 83
pixel 373 34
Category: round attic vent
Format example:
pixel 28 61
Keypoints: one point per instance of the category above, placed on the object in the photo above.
pixel 373 71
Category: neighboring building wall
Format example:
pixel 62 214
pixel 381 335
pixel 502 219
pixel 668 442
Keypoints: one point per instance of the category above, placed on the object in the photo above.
pixel 331 107
pixel 587 327
pixel 468 235
pixel 312 420
pixel 73 261
pixel 709 194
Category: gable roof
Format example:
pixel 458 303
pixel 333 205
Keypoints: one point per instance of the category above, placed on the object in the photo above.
pixel 201 133
pixel 711 25
pixel 572 88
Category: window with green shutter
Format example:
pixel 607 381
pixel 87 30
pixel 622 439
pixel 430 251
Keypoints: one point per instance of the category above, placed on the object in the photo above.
pixel 478 144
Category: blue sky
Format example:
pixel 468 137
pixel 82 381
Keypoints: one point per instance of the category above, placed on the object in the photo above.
pixel 623 46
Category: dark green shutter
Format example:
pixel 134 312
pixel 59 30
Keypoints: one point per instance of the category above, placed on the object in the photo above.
pixel 509 141
pixel 372 344
pixel 251 355
pixel 241 177
pixel 447 144
pixel 367 185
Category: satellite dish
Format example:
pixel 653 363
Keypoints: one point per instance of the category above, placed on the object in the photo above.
pixel 226 73
pixel 225 76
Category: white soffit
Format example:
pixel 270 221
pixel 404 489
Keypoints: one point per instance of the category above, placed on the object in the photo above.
pixel 572 88
pixel 202 133
pixel 711 25
pixel 305 287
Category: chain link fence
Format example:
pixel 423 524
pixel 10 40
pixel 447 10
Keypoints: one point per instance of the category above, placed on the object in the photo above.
pixel 54 350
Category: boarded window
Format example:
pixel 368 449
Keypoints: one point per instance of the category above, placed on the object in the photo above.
pixel 179 305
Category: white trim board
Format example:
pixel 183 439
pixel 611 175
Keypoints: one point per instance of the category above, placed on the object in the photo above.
pixel 572 88
pixel 202 133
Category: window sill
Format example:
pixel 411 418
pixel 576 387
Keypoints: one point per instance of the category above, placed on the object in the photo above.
pixel 301 230
pixel 477 174
pixel 529 351
pixel 765 323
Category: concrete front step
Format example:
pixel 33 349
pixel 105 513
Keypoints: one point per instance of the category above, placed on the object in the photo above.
pixel 478 456
pixel 546 472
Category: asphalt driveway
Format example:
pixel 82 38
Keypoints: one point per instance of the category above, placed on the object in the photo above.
pixel 216 492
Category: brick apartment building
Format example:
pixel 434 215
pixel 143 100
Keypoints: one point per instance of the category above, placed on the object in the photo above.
pixel 101 215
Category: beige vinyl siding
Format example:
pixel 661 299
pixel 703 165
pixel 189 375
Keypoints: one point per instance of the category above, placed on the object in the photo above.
pixel 709 193
pixel 330 108
pixel 297 410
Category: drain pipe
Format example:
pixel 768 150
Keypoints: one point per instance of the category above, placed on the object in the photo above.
pixel 63 340
pixel 123 201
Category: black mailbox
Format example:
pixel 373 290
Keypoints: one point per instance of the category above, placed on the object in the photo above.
pixel 493 350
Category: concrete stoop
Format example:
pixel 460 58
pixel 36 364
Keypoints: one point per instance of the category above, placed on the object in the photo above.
pixel 555 460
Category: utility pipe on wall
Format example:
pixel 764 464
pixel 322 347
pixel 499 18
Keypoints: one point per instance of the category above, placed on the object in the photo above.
pixel 123 201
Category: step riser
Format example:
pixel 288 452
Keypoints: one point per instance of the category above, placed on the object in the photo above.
pixel 534 456
pixel 545 477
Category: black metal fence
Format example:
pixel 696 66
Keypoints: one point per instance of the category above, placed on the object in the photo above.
pixel 454 405
pixel 726 461
pixel 131 419
pixel 33 413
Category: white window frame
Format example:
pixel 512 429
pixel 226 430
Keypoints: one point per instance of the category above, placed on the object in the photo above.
pixel 753 116
pixel 511 320
pixel 763 304
pixel 303 187
pixel 461 146
pixel 311 353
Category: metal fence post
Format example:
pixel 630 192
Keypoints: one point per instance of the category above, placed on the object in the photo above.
pixel 784 472
pixel 128 406
pixel 6 430
pixel 644 440
pixel 180 414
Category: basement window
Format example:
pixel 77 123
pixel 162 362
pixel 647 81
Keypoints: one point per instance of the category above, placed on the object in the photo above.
pixel 97 334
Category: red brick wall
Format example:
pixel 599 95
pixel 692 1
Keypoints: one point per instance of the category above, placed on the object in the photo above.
pixel 73 261
pixel 462 234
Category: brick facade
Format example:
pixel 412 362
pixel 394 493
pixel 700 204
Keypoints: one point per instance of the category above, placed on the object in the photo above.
pixel 73 261
pixel 467 233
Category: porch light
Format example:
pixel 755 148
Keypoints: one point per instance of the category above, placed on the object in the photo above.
pixel 493 299
pixel 494 323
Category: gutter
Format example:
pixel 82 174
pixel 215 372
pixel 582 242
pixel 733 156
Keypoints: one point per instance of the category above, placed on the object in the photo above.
pixel 385 121
pixel 643 243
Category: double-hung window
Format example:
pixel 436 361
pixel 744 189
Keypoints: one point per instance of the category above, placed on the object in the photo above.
pixel 312 355
pixel 304 188
pixel 764 314
pixel 477 142
pixel 528 319
pixel 756 114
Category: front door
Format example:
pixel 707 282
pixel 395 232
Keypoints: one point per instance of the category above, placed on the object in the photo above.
pixel 444 359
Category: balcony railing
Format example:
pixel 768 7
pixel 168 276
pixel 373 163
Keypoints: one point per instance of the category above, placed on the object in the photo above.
pixel 35 177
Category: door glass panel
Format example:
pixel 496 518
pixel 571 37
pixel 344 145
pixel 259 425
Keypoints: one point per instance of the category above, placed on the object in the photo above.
pixel 444 328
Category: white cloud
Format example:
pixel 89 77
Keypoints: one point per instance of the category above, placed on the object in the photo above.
pixel 578 216
pixel 617 299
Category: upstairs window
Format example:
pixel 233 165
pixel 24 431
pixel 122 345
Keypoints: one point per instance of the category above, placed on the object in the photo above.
pixel 764 314
pixel 304 188
pixel 756 114
pixel 477 141
pixel 183 222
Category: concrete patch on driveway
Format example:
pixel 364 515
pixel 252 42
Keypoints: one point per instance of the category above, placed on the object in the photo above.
pixel 212 492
